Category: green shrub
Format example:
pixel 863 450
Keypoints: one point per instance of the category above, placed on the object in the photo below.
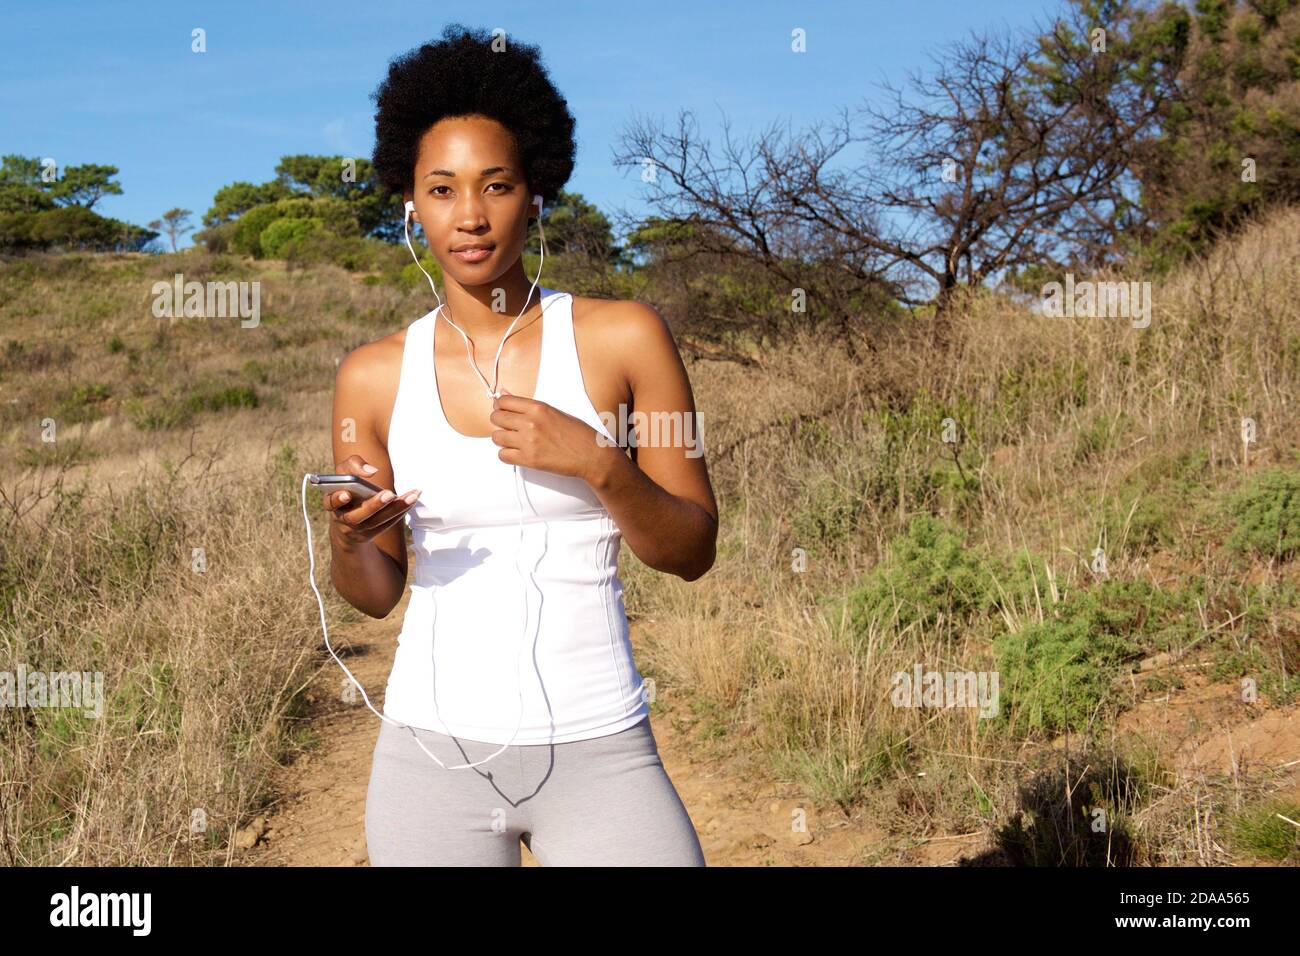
pixel 1099 436
pixel 158 413
pixel 333 215
pixel 1161 494
pixel 217 399
pixel 219 238
pixel 1058 672
pixel 410 277
pixel 155 414
pixel 1267 515
pixel 336 215
pixel 84 404
pixel 246 237
pixel 282 231
pixel 354 253
pixel 928 574
pixel 1258 830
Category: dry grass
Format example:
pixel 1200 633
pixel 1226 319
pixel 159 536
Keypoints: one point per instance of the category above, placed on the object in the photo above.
pixel 1077 434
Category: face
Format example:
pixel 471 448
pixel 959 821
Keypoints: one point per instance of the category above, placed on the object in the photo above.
pixel 470 190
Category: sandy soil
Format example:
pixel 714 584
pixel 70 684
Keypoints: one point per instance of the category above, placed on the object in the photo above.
pixel 318 819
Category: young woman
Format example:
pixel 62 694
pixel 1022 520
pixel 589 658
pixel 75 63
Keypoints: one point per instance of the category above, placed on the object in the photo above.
pixel 514 710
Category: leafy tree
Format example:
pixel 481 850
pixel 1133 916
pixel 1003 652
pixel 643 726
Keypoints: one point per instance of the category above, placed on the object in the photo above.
pixel 574 225
pixel 234 200
pixel 1230 142
pixel 85 185
pixel 21 188
pixel 349 184
pixel 36 213
pixel 175 222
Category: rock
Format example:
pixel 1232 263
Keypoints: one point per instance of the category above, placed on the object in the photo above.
pixel 247 838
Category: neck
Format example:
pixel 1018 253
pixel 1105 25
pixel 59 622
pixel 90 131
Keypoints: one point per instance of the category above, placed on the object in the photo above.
pixel 472 306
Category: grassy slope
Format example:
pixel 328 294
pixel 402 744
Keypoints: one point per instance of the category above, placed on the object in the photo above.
pixel 1076 434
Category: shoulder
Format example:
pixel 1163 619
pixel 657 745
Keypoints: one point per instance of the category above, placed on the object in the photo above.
pixel 620 323
pixel 365 386
pixel 367 363
pixel 634 335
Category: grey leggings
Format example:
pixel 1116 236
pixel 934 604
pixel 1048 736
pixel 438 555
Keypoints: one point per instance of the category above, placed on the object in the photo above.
pixel 605 801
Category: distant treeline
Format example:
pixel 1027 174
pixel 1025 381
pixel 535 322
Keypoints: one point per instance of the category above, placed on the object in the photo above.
pixel 43 209
pixel 1122 130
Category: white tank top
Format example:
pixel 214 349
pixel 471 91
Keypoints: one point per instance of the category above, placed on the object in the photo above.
pixel 467 610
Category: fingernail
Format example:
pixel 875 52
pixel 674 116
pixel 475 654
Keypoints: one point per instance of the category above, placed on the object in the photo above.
pixel 344 496
pixel 411 496
pixel 369 469
pixel 387 496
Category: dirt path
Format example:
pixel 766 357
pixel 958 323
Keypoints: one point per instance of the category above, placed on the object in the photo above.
pixel 742 820
pixel 318 819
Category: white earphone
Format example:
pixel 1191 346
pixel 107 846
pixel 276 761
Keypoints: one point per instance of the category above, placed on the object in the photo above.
pixel 493 392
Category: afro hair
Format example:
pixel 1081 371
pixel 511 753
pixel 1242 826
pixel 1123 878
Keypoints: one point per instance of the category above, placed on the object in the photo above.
pixel 463 75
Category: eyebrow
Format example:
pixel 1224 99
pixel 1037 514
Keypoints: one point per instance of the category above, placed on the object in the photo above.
pixel 487 172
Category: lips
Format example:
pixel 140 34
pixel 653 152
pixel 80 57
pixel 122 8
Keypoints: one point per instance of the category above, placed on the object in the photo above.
pixel 473 253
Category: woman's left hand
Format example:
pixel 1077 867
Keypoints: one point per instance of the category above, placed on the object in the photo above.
pixel 533 434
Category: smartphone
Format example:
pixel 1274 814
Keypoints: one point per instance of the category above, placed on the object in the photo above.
pixel 357 487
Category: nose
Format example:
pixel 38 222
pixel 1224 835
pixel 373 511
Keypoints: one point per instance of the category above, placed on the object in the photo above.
pixel 469 212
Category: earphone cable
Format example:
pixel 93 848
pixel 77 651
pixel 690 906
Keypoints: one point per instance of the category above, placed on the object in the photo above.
pixel 433 590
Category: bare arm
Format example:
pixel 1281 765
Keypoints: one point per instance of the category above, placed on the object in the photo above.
pixel 662 501
pixel 369 574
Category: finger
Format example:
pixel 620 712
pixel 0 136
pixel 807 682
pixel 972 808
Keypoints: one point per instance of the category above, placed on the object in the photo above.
pixel 514 403
pixel 506 438
pixel 385 525
pixel 356 465
pixel 356 514
pixel 386 513
pixel 338 501
pixel 508 419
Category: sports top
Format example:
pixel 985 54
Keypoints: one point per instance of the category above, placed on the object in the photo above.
pixel 469 609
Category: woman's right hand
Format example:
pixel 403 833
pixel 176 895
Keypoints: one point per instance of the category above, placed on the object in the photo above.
pixel 356 522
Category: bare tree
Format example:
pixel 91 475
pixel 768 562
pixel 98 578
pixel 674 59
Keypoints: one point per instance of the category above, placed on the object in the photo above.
pixel 174 222
pixel 1011 153
pixel 736 212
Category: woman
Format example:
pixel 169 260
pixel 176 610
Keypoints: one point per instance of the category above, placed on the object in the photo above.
pixel 513 671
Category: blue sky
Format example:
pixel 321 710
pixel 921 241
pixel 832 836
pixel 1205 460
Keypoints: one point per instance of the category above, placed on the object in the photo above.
pixel 117 83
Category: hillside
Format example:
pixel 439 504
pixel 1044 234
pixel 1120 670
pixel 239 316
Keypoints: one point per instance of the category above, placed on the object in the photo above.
pixel 944 504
